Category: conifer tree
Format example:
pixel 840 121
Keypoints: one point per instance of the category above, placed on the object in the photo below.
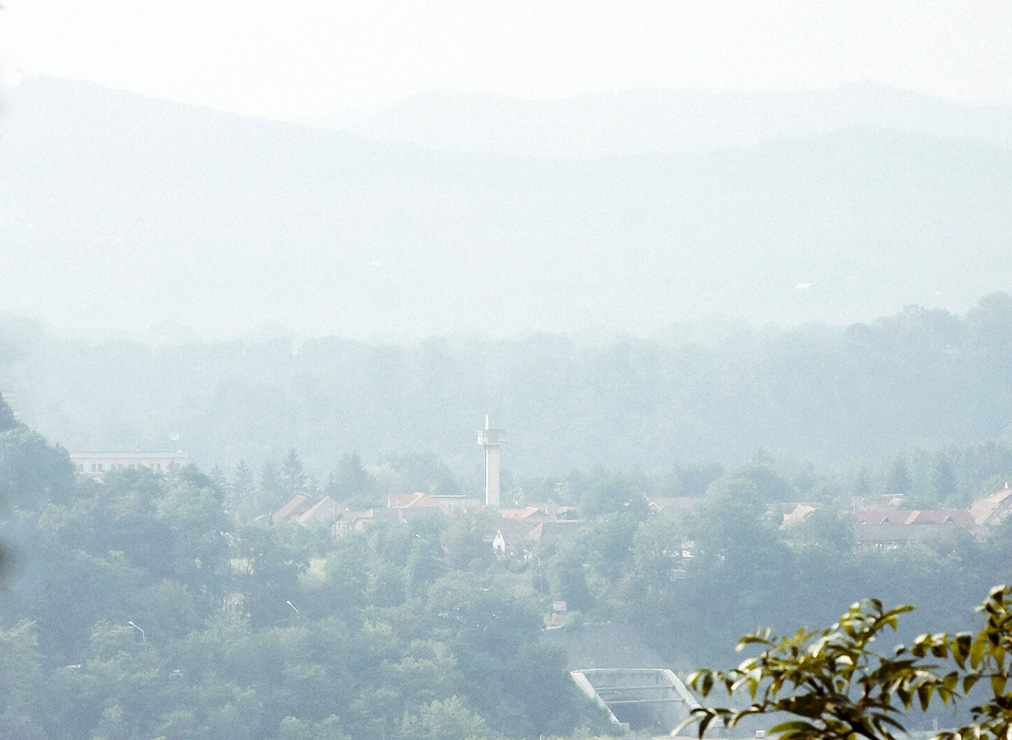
pixel 270 495
pixel 242 489
pixel 293 476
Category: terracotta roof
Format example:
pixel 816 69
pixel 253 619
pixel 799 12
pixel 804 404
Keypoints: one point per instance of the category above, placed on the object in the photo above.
pixel 525 513
pixel 515 529
pixel 942 516
pixel 897 517
pixel 417 500
pixel 299 504
pixel 348 519
pixel 882 516
pixel 324 511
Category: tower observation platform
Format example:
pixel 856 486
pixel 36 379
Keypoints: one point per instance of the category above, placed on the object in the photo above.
pixel 492 440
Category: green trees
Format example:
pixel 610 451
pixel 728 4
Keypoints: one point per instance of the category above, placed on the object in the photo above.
pixel 241 491
pixel 144 610
pixel 919 378
pixel 833 685
pixel 293 475
pixel 22 678
pixel 446 720
pixel 7 420
pixel 349 481
pixel 31 470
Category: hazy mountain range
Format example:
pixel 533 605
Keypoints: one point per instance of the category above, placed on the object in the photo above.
pixel 135 215
pixel 649 121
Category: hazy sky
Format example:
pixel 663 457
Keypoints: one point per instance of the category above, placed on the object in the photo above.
pixel 303 57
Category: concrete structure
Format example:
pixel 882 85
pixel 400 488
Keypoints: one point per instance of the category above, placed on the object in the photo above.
pixel 492 440
pixel 97 464
pixel 644 699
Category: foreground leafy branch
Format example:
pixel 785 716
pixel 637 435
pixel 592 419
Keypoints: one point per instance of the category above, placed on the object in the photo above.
pixel 835 686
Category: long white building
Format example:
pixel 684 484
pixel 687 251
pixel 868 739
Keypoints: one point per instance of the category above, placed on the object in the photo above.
pixel 97 464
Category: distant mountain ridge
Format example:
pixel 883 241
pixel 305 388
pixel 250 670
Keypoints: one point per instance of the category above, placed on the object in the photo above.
pixel 644 121
pixel 123 212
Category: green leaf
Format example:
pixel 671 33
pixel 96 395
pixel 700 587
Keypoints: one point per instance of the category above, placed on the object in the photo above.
pixel 977 652
pixel 704 723
pixel 905 696
pixel 961 648
pixel 793 726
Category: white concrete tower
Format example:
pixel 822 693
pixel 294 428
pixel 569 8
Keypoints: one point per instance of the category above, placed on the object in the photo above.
pixel 491 439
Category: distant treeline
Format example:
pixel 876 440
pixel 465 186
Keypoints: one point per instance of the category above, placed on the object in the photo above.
pixel 700 394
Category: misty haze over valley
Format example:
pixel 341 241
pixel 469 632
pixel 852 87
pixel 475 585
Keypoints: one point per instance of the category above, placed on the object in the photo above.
pixel 479 371
pixel 129 216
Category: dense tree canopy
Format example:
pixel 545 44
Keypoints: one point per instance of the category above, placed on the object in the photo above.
pixel 712 392
pixel 142 608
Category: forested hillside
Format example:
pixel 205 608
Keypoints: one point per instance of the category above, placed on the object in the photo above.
pixel 140 608
pixel 697 394
pixel 163 606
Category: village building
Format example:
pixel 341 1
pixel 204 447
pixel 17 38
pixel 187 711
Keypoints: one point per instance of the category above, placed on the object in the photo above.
pixel 322 513
pixel 297 506
pixel 418 503
pixel 993 508
pixel 890 528
pixel 327 512
pixel 518 530
pixel 97 464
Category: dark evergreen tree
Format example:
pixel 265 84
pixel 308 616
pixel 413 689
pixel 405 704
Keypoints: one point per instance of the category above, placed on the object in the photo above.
pixel 270 494
pixel 242 489
pixel 293 476
pixel 349 480
pixel 943 480
pixel 217 476
pixel 898 478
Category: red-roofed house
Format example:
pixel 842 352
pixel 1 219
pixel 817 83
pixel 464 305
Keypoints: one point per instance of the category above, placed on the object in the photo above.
pixel 348 520
pixel 417 502
pixel 993 508
pixel 323 511
pixel 943 516
pixel 887 529
pixel 296 507
pixel 528 513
